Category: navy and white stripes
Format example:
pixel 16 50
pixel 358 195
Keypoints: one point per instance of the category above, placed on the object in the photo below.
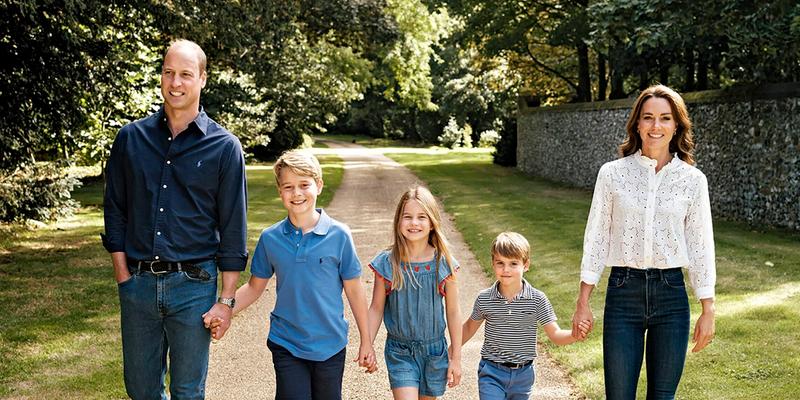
pixel 511 326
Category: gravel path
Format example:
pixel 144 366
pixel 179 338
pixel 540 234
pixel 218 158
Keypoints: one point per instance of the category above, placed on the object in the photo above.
pixel 241 365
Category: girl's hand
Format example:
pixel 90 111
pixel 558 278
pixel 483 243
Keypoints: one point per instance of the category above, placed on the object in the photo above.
pixel 453 373
pixel 366 358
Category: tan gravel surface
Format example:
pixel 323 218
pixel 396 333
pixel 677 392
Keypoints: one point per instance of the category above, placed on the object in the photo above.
pixel 241 365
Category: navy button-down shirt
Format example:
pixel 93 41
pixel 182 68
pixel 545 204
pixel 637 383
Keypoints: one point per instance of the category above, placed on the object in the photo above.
pixel 177 200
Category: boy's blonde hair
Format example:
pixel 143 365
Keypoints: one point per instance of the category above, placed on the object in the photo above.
pixel 399 248
pixel 512 245
pixel 300 162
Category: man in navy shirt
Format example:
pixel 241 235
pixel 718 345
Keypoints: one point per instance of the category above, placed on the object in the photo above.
pixel 175 214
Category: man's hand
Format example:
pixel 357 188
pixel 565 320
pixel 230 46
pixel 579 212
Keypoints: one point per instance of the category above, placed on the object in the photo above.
pixel 218 320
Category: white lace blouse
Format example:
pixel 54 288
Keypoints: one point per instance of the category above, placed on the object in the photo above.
pixel 643 219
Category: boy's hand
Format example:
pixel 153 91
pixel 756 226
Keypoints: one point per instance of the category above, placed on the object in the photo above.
pixel 453 373
pixel 366 358
pixel 584 327
pixel 218 322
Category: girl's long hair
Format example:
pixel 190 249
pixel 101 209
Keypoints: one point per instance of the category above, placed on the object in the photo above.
pixel 682 142
pixel 399 248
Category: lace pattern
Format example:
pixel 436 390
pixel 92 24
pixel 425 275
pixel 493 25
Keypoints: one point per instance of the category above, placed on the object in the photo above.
pixel 641 219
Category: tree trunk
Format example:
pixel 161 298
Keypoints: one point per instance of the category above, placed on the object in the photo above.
pixel 584 79
pixel 688 83
pixel 602 79
pixel 702 70
pixel 663 73
pixel 617 77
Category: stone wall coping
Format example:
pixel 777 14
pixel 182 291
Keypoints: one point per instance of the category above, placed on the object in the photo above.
pixel 731 95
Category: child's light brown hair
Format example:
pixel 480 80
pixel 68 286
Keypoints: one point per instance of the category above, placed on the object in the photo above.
pixel 512 245
pixel 399 247
pixel 300 162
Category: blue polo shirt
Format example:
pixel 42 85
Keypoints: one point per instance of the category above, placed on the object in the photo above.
pixel 308 319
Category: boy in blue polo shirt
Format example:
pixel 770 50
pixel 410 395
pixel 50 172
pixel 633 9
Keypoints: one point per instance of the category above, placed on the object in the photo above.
pixel 314 259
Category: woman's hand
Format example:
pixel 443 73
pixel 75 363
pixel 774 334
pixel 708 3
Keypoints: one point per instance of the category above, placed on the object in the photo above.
pixel 704 329
pixel 583 315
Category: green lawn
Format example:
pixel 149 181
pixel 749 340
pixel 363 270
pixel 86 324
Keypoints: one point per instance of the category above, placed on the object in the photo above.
pixel 59 335
pixel 755 353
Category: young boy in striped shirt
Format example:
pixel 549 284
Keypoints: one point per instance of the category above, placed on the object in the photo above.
pixel 512 309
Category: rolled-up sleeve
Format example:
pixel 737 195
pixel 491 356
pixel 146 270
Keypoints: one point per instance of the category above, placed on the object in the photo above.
pixel 115 207
pixel 700 243
pixel 232 208
pixel 597 237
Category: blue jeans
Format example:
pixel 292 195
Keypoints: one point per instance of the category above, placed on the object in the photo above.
pixel 498 382
pixel 161 316
pixel 639 302
pixel 300 379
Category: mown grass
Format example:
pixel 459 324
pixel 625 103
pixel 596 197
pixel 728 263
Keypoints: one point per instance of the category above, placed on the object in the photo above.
pixel 754 355
pixel 59 332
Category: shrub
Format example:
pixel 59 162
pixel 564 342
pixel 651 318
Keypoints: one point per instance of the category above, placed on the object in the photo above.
pixel 488 138
pixel 451 134
pixel 505 152
pixel 40 191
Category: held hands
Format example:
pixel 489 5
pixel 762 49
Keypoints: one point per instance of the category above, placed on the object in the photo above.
pixel 366 358
pixel 453 372
pixel 218 320
pixel 582 322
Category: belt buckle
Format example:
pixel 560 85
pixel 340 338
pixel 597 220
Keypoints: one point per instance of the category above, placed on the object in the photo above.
pixel 154 272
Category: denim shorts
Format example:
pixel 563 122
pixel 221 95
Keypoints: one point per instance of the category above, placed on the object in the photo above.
pixel 420 364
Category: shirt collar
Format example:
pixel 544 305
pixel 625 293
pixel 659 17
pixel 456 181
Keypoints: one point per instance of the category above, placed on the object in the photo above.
pixel 321 228
pixel 525 293
pixel 651 163
pixel 200 121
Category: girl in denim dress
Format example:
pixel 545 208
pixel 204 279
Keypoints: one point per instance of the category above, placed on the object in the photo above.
pixel 415 288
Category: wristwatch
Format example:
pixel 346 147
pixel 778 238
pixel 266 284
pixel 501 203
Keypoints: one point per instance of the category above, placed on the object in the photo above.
pixel 228 301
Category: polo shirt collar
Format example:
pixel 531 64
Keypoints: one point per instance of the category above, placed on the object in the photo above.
pixel 321 228
pixel 525 293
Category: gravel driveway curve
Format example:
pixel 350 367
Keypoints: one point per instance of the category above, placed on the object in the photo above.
pixel 241 365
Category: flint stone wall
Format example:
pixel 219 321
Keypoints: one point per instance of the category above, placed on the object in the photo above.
pixel 747 144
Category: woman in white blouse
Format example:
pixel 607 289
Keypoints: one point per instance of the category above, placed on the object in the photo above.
pixel 650 217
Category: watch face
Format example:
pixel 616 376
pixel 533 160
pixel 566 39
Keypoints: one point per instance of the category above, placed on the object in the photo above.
pixel 228 301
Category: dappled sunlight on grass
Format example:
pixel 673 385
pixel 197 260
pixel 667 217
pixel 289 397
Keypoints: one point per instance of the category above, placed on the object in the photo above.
pixel 740 304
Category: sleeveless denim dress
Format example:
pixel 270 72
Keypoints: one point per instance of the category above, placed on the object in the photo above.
pixel 416 348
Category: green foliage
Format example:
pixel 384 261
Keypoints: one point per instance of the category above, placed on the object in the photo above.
pixel 39 191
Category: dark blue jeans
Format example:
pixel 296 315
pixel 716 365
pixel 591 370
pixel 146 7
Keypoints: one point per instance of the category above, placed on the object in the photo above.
pixel 639 303
pixel 161 316
pixel 301 379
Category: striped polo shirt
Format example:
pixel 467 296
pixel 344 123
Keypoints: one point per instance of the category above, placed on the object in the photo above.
pixel 511 325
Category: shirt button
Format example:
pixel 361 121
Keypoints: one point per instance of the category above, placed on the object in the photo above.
pixel 298 245
pixel 169 138
pixel 158 233
pixel 165 186
pixel 296 232
pixel 157 257
pixel 161 209
pixel 169 162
